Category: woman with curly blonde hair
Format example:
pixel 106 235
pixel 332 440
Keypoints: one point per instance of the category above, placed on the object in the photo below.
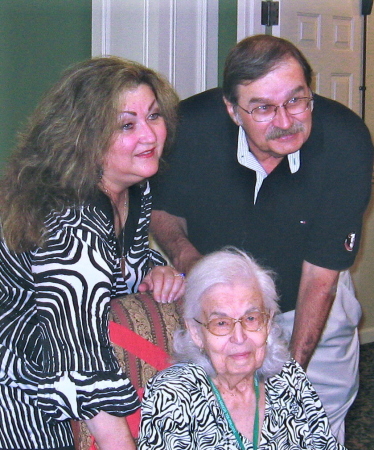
pixel 75 205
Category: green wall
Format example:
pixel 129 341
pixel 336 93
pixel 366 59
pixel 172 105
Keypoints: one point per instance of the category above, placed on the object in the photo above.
pixel 38 39
pixel 227 19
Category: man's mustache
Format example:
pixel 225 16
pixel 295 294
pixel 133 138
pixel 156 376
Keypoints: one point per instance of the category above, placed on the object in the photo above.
pixel 276 132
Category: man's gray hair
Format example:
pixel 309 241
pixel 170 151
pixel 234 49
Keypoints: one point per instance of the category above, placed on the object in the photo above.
pixel 229 266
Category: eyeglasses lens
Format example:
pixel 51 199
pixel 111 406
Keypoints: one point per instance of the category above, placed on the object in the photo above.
pixel 223 326
pixel 267 113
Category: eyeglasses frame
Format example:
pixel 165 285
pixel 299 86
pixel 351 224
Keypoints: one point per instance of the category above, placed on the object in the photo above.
pixel 283 105
pixel 206 325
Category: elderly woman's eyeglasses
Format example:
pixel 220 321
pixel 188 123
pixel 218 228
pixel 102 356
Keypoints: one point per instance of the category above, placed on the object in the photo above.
pixel 266 113
pixel 222 326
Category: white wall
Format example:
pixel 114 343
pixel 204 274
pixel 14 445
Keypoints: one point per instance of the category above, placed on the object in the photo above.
pixel 363 272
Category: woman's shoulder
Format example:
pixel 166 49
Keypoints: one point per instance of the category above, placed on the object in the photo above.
pixel 290 396
pixel 292 367
pixel 84 224
pixel 85 217
pixel 292 379
pixel 184 387
pixel 183 375
pixel 291 370
pixel 182 371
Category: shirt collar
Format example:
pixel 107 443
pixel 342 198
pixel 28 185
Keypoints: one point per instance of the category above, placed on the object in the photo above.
pixel 247 159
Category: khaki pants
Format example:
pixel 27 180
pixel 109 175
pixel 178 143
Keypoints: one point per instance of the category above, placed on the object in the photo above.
pixel 333 369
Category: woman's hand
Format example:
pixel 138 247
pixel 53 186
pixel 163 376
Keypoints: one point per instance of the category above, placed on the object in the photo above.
pixel 166 284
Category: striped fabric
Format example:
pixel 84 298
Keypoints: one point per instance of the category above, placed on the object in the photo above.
pixel 56 360
pixel 180 411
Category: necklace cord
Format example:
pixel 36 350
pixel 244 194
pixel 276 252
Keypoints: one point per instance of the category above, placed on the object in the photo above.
pixel 229 418
pixel 122 225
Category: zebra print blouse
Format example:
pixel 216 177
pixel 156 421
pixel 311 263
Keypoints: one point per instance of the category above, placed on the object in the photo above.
pixel 180 411
pixel 56 360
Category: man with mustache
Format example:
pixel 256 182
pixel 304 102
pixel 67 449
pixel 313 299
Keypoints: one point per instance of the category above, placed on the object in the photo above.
pixel 267 166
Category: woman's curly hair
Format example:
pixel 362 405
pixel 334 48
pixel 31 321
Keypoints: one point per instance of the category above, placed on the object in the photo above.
pixel 59 155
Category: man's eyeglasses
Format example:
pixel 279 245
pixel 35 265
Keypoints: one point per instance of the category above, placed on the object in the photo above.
pixel 266 113
pixel 222 326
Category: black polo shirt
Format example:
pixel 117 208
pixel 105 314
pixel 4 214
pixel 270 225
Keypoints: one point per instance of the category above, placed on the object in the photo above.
pixel 314 214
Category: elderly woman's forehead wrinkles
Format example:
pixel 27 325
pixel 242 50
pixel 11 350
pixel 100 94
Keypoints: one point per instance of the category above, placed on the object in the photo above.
pixel 225 310
pixel 224 314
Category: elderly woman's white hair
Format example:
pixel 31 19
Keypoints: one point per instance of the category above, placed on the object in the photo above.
pixel 229 266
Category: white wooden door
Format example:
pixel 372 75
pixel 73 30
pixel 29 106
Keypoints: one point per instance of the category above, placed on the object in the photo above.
pixel 328 32
pixel 178 38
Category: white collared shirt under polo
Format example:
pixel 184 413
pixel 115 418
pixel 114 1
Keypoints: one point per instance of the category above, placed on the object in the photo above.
pixel 247 159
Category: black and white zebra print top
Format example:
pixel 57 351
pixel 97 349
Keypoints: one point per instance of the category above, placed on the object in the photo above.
pixel 180 411
pixel 56 360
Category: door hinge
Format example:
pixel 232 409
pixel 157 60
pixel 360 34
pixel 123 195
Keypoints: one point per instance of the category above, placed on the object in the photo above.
pixel 269 13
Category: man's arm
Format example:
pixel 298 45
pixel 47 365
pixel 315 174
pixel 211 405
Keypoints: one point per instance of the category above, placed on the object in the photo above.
pixel 316 295
pixel 170 233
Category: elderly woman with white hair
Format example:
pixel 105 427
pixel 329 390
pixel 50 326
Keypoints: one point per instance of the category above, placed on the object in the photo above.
pixel 233 385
